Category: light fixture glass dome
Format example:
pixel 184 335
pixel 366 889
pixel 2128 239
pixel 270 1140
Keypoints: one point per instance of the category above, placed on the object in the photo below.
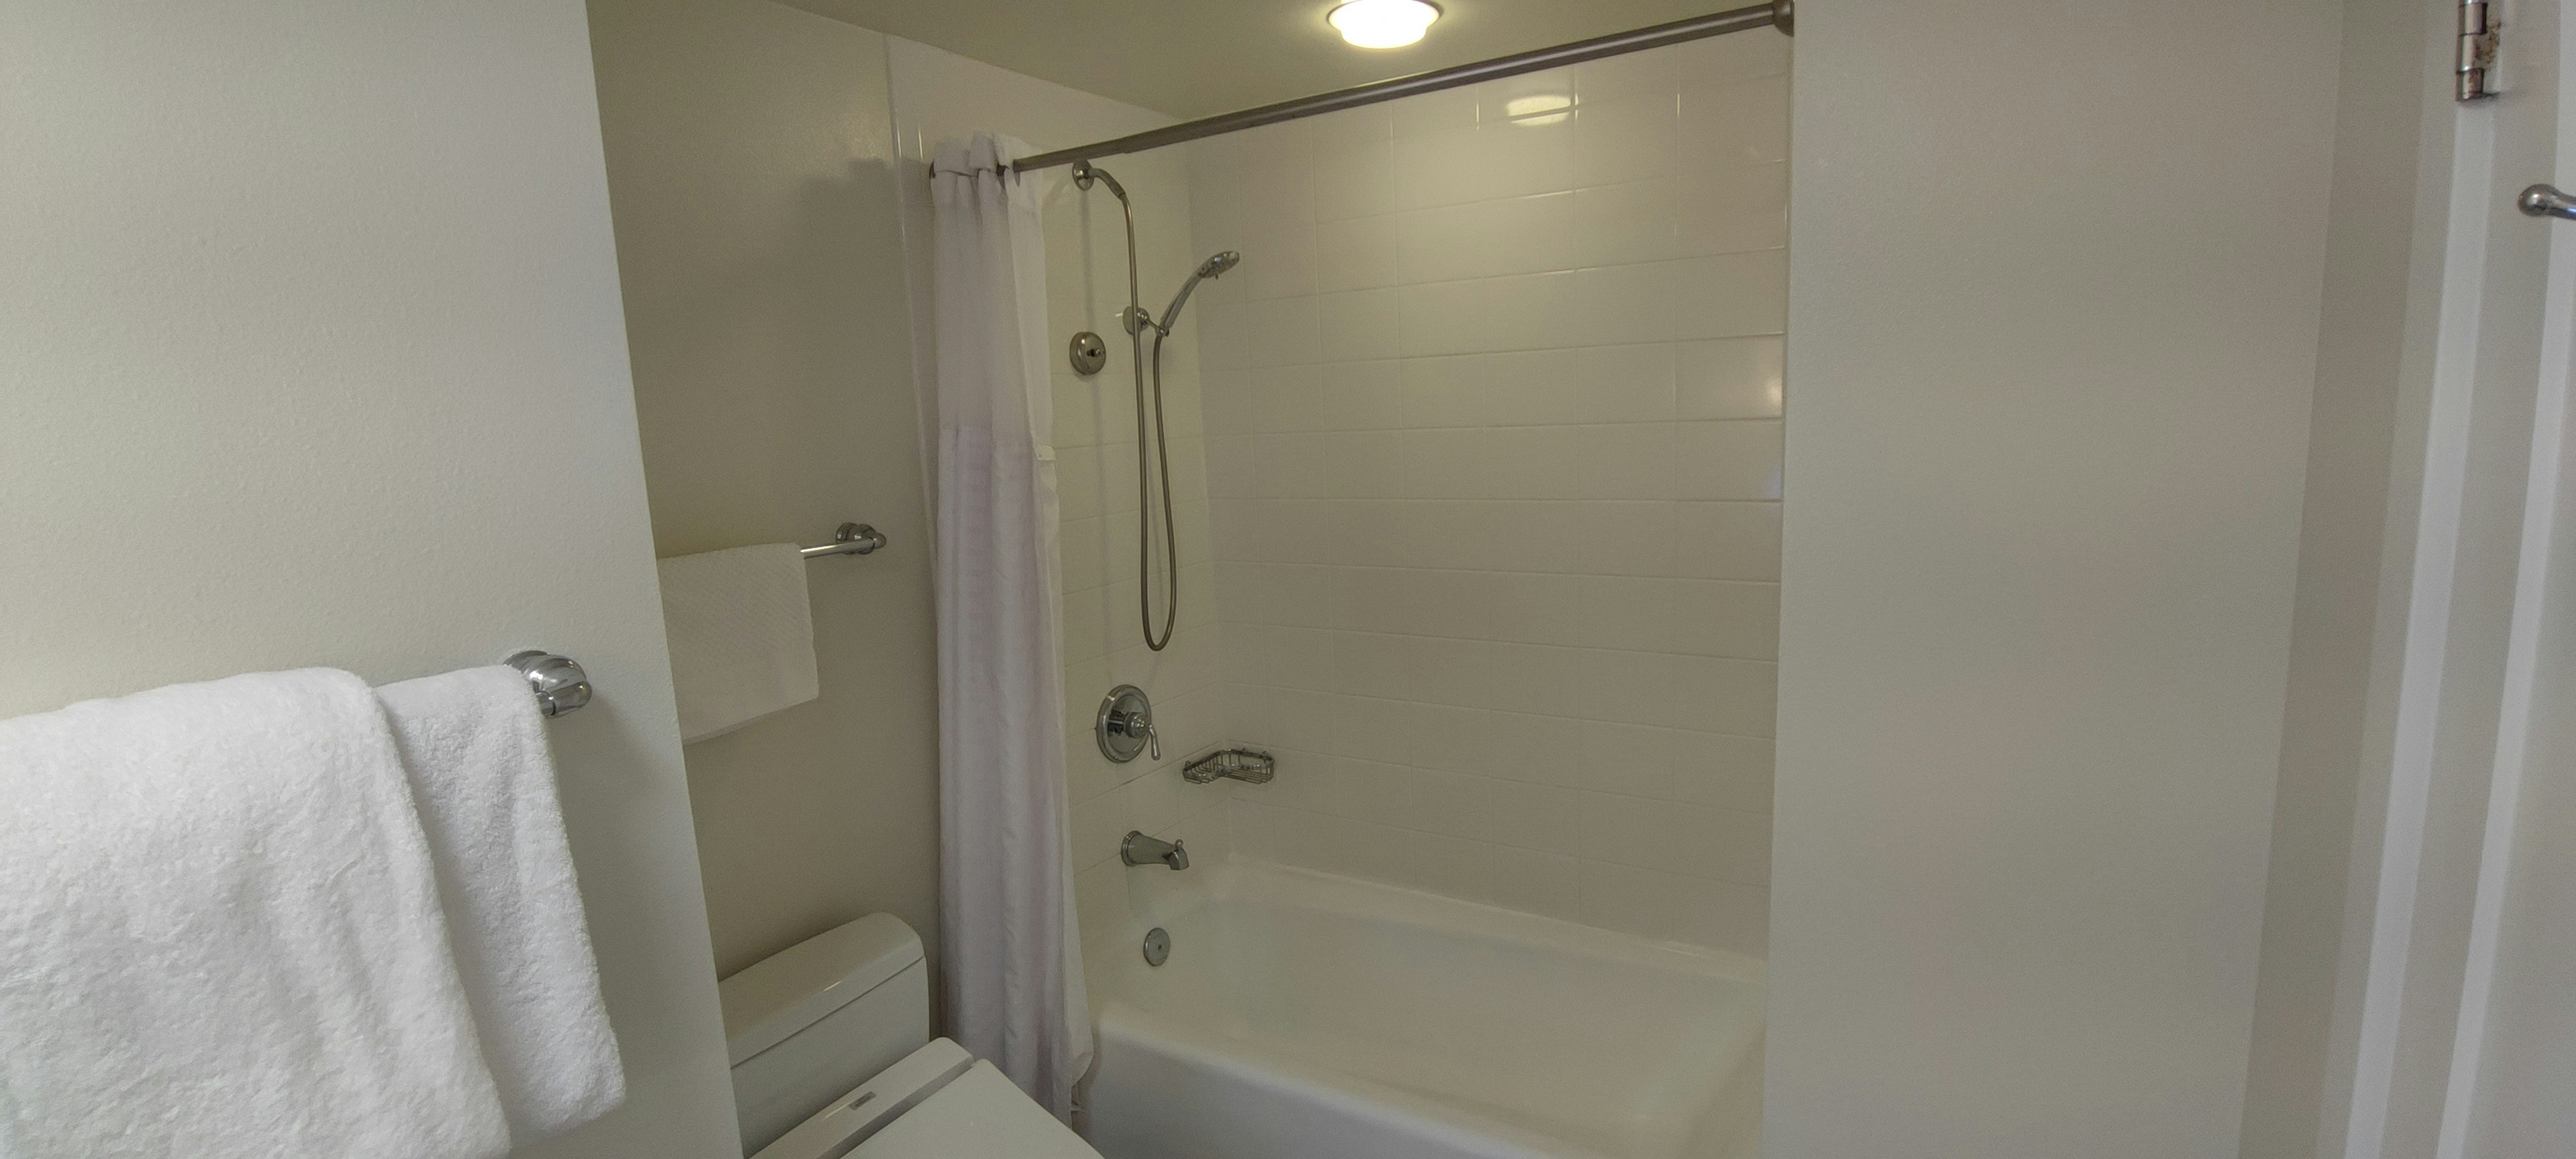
pixel 1384 23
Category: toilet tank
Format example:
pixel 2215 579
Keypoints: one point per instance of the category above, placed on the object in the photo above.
pixel 807 1024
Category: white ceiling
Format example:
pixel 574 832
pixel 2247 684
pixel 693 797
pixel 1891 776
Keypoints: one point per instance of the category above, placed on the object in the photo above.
pixel 1192 58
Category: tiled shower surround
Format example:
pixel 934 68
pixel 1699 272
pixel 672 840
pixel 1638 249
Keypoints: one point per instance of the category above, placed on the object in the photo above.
pixel 1493 454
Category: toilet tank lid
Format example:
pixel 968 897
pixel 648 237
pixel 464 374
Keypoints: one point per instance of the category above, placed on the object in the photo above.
pixel 794 988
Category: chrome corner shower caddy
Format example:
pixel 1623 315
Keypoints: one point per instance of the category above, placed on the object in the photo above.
pixel 1243 764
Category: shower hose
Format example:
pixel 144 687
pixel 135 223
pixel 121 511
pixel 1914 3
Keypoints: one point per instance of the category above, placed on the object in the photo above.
pixel 1154 463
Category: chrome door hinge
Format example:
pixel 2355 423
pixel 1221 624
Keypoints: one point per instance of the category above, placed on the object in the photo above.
pixel 2477 51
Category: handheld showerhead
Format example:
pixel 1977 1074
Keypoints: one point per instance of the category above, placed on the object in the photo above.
pixel 1215 267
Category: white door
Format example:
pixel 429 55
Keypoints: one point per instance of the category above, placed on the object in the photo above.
pixel 311 354
pixel 2466 1038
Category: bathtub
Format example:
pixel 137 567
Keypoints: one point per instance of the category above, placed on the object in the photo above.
pixel 1307 1016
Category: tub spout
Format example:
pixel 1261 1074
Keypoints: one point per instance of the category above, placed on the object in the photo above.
pixel 1139 849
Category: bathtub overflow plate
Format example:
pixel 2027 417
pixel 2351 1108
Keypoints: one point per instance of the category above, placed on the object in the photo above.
pixel 1158 946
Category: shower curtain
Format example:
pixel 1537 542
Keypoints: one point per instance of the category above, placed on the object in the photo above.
pixel 1006 929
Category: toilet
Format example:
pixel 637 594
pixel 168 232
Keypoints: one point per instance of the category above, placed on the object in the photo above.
pixel 832 1056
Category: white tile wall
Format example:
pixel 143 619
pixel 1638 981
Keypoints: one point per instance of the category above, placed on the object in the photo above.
pixel 1096 475
pixel 1492 460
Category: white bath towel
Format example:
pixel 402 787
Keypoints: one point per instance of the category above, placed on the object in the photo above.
pixel 220 934
pixel 742 636
pixel 481 774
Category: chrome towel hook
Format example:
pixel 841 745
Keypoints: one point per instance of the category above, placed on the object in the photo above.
pixel 851 539
pixel 2544 200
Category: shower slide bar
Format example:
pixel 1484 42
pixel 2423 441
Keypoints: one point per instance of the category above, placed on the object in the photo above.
pixel 1780 14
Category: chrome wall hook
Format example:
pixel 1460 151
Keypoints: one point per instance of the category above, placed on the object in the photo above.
pixel 2545 200
pixel 851 539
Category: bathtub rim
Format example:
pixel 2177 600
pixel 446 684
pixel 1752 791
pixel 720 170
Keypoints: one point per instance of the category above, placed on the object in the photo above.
pixel 1350 1095
pixel 1120 1007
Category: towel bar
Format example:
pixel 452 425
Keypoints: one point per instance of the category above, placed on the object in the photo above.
pixel 851 539
pixel 560 684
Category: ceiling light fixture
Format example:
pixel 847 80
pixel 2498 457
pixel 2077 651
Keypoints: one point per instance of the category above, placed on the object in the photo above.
pixel 1384 23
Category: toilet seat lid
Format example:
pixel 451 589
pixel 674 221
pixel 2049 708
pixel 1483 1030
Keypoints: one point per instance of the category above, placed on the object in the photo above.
pixel 978 1115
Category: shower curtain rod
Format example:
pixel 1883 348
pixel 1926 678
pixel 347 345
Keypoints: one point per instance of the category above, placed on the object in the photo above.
pixel 1780 14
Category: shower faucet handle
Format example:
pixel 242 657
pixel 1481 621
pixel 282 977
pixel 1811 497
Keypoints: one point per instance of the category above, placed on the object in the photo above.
pixel 1140 726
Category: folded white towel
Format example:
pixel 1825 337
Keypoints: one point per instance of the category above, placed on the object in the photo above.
pixel 220 934
pixel 742 636
pixel 475 747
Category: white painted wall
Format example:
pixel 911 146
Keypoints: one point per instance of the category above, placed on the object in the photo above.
pixel 2054 303
pixel 1496 399
pixel 2392 73
pixel 751 168
pixel 313 357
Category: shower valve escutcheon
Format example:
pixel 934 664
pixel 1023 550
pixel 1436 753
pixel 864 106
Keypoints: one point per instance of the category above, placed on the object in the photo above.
pixel 1126 725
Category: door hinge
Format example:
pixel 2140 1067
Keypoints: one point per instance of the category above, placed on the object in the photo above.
pixel 2477 51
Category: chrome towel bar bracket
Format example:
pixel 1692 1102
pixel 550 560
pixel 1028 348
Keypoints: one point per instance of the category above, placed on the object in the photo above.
pixel 560 684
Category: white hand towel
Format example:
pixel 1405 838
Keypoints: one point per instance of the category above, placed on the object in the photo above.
pixel 484 781
pixel 220 934
pixel 742 636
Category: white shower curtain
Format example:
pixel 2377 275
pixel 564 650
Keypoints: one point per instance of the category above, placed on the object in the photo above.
pixel 1006 928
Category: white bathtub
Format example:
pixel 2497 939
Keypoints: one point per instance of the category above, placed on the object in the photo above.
pixel 1305 1016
